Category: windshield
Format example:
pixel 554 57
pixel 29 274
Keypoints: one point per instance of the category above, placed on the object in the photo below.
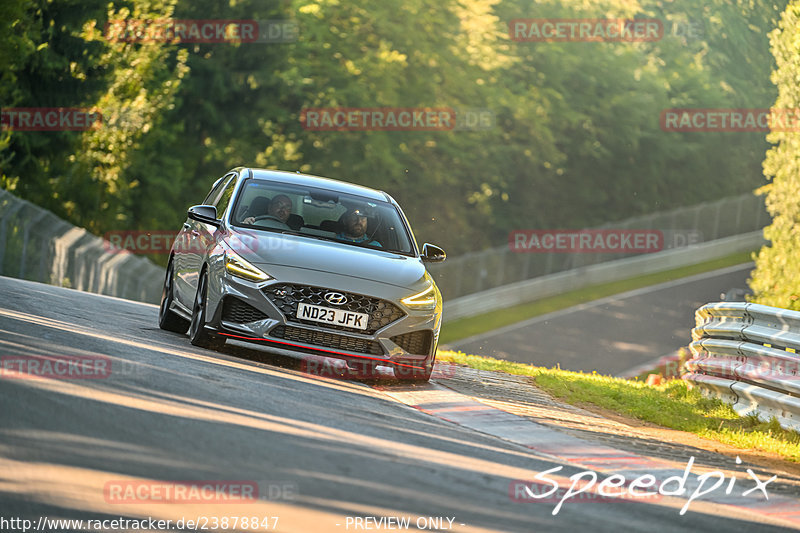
pixel 319 213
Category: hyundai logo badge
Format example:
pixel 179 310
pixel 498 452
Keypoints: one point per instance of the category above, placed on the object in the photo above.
pixel 336 298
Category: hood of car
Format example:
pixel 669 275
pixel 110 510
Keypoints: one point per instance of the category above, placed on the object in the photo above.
pixel 266 249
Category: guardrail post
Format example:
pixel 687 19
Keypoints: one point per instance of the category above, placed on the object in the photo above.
pixel 25 235
pixel 715 232
pixel 459 276
pixel 548 267
pixel 759 213
pixel 674 221
pixel 696 221
pixel 482 272
pixel 135 274
pixel 526 266
pixel 43 261
pixel 3 223
pixel 739 213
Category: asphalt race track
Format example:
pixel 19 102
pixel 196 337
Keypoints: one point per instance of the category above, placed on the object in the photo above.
pixel 317 450
pixel 614 334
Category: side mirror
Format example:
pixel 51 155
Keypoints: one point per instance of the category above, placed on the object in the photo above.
pixel 432 254
pixel 204 213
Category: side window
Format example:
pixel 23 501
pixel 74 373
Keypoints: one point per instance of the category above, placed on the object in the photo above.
pixel 214 192
pixel 213 196
pixel 225 198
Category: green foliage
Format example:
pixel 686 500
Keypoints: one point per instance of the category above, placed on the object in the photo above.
pixel 88 177
pixel 776 279
pixel 577 140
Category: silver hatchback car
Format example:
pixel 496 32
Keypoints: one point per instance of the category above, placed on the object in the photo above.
pixel 305 265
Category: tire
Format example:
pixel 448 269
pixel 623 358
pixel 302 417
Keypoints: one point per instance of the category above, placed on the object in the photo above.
pixel 198 335
pixel 168 319
pixel 404 373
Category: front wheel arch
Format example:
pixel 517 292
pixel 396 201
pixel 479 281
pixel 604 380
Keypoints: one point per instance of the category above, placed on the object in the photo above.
pixel 167 319
pixel 198 335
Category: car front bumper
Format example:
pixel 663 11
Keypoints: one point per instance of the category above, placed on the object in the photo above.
pixel 248 311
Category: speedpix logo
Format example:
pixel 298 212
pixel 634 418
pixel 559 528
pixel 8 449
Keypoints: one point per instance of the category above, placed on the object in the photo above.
pixel 50 118
pixel 585 487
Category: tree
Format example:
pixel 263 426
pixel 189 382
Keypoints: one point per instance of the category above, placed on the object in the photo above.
pixel 776 278
pixel 576 140
pixel 63 59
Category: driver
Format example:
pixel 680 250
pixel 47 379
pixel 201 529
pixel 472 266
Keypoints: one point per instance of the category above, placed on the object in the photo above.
pixel 355 228
pixel 279 208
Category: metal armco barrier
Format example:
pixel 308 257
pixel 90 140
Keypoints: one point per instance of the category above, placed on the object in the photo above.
pixel 606 272
pixel 746 354
pixel 478 272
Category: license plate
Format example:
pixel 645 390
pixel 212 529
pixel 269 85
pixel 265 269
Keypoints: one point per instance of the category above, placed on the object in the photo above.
pixel 329 315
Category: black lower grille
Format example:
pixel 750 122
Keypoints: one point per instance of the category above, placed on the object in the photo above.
pixel 416 342
pixel 328 340
pixel 235 310
pixel 287 296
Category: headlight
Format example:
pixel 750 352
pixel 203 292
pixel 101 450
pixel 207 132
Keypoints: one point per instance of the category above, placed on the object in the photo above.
pixel 237 266
pixel 422 300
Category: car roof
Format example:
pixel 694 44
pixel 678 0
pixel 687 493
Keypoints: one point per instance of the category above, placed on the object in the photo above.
pixel 329 184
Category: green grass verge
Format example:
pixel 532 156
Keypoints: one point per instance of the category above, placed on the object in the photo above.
pixel 672 404
pixel 466 327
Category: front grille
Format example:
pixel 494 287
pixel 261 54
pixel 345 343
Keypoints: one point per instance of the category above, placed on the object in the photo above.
pixel 235 310
pixel 416 342
pixel 287 296
pixel 328 340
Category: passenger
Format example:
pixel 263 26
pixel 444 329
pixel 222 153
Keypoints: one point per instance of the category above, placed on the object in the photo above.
pixel 280 208
pixel 355 228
